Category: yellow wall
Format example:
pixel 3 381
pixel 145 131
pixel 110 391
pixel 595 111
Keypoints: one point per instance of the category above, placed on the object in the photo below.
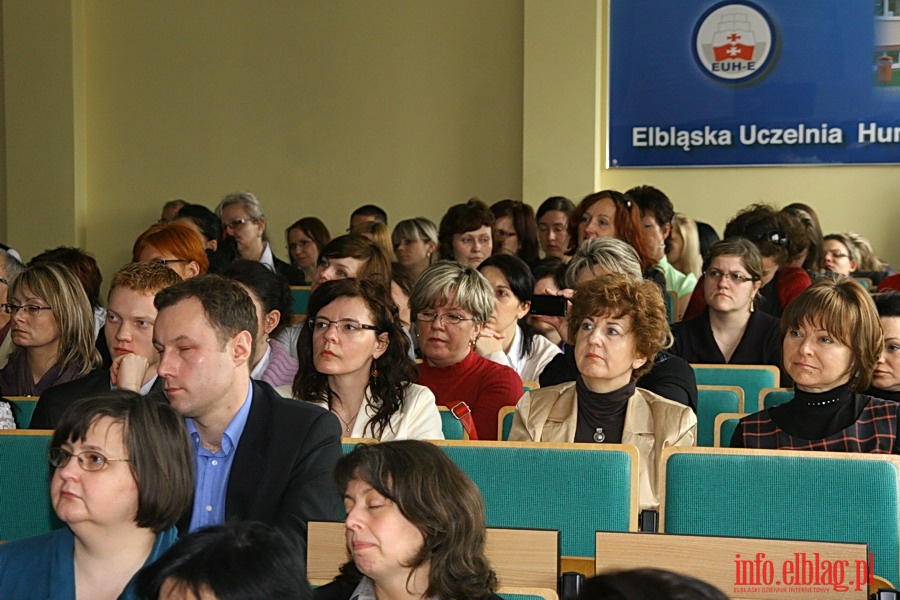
pixel 112 108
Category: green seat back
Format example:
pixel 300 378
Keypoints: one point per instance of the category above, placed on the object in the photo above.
pixel 711 402
pixel 747 377
pixel 576 490
pixel 776 397
pixel 507 425
pixel 450 425
pixel 821 496
pixel 22 410
pixel 301 296
pixel 726 430
pixel 25 508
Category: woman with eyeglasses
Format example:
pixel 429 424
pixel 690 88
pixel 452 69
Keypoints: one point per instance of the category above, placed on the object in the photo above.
pixel 122 475
pixel 354 361
pixel 52 327
pixel 465 233
pixel 730 330
pixel 451 303
pixel 175 245
pixel 780 238
pixel 244 221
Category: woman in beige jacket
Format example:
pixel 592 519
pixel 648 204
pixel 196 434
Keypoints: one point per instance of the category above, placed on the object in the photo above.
pixel 618 323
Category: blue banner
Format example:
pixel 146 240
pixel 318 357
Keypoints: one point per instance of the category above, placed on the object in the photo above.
pixel 700 82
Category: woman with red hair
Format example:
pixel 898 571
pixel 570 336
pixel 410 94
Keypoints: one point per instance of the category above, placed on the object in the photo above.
pixel 175 245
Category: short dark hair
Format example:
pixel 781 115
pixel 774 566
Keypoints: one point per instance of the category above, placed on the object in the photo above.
pixel 888 304
pixel 156 440
pixel 654 202
pixel 238 560
pixel 521 283
pixel 270 288
pixel 204 218
pixel 429 490
pixel 560 203
pixel 525 224
pixel 459 219
pixel 371 210
pixel 396 369
pixel 314 228
pixel 648 584
pixel 80 263
pixel 226 305
pixel 707 236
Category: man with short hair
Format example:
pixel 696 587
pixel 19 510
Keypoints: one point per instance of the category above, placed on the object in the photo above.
pixel 366 213
pixel 258 456
pixel 128 332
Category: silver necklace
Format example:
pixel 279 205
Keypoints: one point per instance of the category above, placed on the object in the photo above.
pixel 599 436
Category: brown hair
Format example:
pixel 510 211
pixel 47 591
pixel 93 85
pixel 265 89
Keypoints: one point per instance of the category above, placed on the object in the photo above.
pixel 375 263
pixel 459 219
pixel 176 239
pixel 226 305
pixel 619 295
pixel 847 312
pixel 397 370
pixel 627 221
pixel 313 228
pixel 433 494
pixel 158 449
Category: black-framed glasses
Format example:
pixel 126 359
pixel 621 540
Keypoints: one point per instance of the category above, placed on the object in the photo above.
pixel 717 275
pixel 167 261
pixel 320 325
pixel 429 316
pixel 237 224
pixel 89 460
pixel 30 309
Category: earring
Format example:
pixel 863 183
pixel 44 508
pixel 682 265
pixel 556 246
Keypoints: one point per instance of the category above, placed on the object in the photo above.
pixel 374 371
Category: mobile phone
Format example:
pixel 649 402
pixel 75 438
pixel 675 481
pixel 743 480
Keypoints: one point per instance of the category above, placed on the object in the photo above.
pixel 548 306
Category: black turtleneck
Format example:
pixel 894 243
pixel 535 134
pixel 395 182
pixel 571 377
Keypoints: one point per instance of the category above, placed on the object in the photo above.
pixel 601 410
pixel 883 394
pixel 812 416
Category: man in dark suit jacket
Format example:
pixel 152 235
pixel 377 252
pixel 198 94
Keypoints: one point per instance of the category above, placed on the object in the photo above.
pixel 128 334
pixel 258 456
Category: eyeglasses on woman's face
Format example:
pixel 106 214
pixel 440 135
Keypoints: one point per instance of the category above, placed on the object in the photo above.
pixel 29 309
pixel 735 277
pixel 320 325
pixel 88 460
pixel 450 318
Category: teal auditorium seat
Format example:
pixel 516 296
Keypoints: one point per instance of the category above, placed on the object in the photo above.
pixel 575 488
pixel 23 409
pixel 451 426
pixel 770 397
pixel 713 400
pixel 25 508
pixel 726 423
pixel 781 494
pixel 752 378
pixel 301 294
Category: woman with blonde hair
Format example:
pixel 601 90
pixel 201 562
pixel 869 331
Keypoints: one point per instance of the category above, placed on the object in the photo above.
pixel 52 329
pixel 415 244
pixel 378 233
pixel 684 246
